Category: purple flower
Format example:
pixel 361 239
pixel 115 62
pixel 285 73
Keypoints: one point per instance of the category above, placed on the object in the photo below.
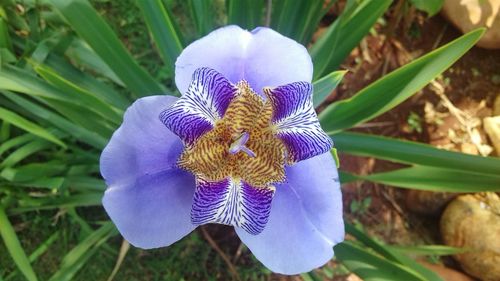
pixel 242 147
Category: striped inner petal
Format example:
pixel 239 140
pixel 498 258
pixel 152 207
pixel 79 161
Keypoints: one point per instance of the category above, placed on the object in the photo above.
pixel 232 202
pixel 197 111
pixel 295 122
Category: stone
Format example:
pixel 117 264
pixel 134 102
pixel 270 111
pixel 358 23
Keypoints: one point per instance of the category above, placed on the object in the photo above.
pixel 496 106
pixel 428 202
pixel 492 128
pixel 467 15
pixel 473 222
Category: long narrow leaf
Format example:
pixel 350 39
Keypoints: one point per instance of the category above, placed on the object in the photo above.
pixel 98 34
pixel 14 247
pixel 324 86
pixel 373 267
pixel 76 258
pixel 345 33
pixel 78 132
pixel 203 15
pixel 394 88
pixel 28 126
pixel 245 13
pixel 409 152
pixel 162 28
pixel 436 179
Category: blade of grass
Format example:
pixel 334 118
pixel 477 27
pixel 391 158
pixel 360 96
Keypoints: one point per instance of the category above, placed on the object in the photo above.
pixel 370 266
pixel 436 179
pixel 28 126
pixel 245 13
pixel 75 259
pixel 14 247
pixel 202 12
pixel 161 26
pixel 345 33
pixel 58 121
pixel 90 26
pixel 408 152
pixel 394 88
pixel 324 86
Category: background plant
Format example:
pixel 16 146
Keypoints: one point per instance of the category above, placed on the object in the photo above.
pixel 66 79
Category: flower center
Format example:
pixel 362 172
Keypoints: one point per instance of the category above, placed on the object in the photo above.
pixel 241 144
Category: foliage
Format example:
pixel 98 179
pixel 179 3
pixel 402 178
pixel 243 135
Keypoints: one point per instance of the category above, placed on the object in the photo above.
pixel 66 79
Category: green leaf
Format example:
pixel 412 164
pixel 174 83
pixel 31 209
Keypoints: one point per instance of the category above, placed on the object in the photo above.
pixel 28 126
pixel 82 55
pixel 431 7
pixel 394 88
pixel 11 143
pixel 437 179
pixel 85 98
pixel 370 266
pixel 90 26
pixel 245 13
pixel 203 15
pixel 23 152
pixel 76 131
pixel 85 81
pixel 162 28
pixel 298 19
pixel 5 41
pixel 391 255
pixel 408 152
pixel 324 87
pixel 345 33
pixel 80 254
pixel 14 247
pixel 428 250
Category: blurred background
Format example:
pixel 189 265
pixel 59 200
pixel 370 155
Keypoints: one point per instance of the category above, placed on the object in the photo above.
pixel 418 140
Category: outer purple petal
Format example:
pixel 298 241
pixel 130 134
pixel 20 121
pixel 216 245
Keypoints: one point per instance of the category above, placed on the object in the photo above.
pixel 205 102
pixel 147 198
pixel 305 221
pixel 142 145
pixel 263 57
pixel 232 202
pixel 273 60
pixel 153 211
pixel 296 121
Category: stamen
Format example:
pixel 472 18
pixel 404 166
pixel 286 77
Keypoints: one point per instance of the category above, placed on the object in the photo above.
pixel 239 145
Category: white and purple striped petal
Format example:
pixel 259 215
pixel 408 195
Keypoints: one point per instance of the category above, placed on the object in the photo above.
pixel 205 102
pixel 296 122
pixel 232 202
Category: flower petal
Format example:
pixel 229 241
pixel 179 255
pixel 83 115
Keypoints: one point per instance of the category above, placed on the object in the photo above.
pixel 154 210
pixel 232 202
pixel 305 220
pixel 273 60
pixel 205 102
pixel 262 57
pixel 148 198
pixel 296 121
pixel 142 145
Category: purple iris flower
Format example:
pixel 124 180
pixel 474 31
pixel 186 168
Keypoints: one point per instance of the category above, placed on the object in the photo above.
pixel 241 147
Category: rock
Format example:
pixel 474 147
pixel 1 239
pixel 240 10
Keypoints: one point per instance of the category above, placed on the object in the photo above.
pixel 492 129
pixel 496 106
pixel 447 274
pixel 473 222
pixel 428 202
pixel 467 15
